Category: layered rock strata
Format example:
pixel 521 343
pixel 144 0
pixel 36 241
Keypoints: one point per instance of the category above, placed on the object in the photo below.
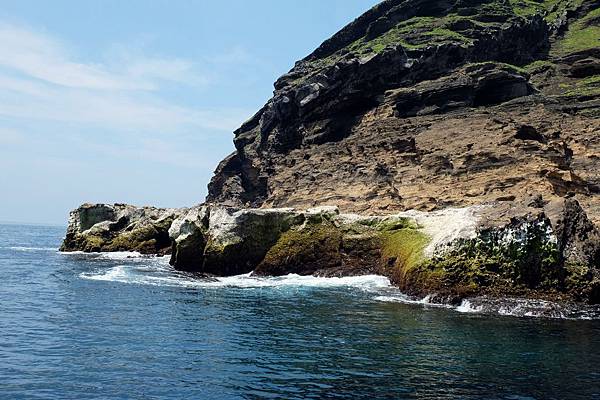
pixel 431 104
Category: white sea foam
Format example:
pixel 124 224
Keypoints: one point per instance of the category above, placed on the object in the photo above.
pixel 518 307
pixel 137 269
pixel 21 248
pixel 116 255
pixel 120 255
pixel 467 307
pixel 159 274
pixel 514 307
pixel 402 298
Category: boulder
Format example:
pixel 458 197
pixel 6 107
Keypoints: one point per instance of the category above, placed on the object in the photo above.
pixel 119 227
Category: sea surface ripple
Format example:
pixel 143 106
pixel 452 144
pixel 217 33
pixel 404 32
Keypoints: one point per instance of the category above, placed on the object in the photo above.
pixel 123 326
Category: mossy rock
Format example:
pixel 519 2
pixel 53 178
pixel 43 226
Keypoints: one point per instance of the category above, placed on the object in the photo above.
pixel 303 251
pixel 582 35
pixel 488 264
pixel 403 248
pixel 150 239
pixel 92 244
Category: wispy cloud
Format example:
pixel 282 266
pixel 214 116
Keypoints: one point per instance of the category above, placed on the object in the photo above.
pixel 45 58
pixel 40 79
pixel 11 136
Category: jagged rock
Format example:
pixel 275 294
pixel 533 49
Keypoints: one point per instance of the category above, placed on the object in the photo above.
pixel 237 240
pixel 526 132
pixel 119 227
pixel 539 249
pixel 472 84
pixel 188 237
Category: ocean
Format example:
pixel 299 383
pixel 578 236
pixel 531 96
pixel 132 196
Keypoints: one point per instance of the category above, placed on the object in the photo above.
pixel 123 326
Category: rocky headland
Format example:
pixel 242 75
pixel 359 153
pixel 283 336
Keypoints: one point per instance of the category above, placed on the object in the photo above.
pixel 452 146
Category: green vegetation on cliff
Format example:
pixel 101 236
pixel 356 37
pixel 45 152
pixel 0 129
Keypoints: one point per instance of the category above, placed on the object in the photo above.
pixel 403 243
pixel 583 34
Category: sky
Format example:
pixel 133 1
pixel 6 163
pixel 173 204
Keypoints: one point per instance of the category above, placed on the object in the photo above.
pixel 135 101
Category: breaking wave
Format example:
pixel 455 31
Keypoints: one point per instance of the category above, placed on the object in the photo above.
pixel 405 299
pixel 158 273
pixel 137 269
pixel 519 307
pixel 114 255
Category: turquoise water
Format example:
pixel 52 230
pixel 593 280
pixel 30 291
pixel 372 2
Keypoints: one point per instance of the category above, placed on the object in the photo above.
pixel 114 327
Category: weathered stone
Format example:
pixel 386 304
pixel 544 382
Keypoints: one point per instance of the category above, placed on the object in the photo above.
pixel 237 240
pixel 188 236
pixel 488 93
pixel 119 227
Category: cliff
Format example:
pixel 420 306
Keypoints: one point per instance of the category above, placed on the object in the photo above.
pixel 425 104
pixel 452 146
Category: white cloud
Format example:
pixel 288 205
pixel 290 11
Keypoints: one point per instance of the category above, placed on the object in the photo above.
pixel 45 58
pixel 113 111
pixel 41 80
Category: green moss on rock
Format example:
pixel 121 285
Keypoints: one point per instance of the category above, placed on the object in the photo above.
pixel 582 35
pixel 303 251
pixel 403 248
pixel 493 263
pixel 92 244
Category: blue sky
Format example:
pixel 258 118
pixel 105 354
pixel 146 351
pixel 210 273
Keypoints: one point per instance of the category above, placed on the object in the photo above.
pixel 135 101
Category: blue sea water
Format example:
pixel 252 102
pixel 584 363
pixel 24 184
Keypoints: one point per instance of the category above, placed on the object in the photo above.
pixel 114 327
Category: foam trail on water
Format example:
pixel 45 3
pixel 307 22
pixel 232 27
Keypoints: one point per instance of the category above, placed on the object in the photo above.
pixel 402 298
pixel 132 256
pixel 135 268
pixel 120 255
pixel 21 248
pixel 514 307
pixel 159 274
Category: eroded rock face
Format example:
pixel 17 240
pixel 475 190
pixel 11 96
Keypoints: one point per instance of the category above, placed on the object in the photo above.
pixel 469 129
pixel 426 105
pixel 188 237
pixel 119 227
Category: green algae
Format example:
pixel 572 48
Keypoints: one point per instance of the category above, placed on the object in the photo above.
pixel 404 248
pixel 93 244
pixel 489 264
pixel 303 250
pixel 587 87
pixel 539 66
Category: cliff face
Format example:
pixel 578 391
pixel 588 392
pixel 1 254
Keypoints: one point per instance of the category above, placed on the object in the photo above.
pixel 426 104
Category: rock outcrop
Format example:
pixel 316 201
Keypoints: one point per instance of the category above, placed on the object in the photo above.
pixel 539 249
pixel 452 146
pixel 424 104
pixel 119 227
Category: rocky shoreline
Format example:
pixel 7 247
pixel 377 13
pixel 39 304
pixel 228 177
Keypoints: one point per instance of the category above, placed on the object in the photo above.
pixel 463 135
pixel 536 249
